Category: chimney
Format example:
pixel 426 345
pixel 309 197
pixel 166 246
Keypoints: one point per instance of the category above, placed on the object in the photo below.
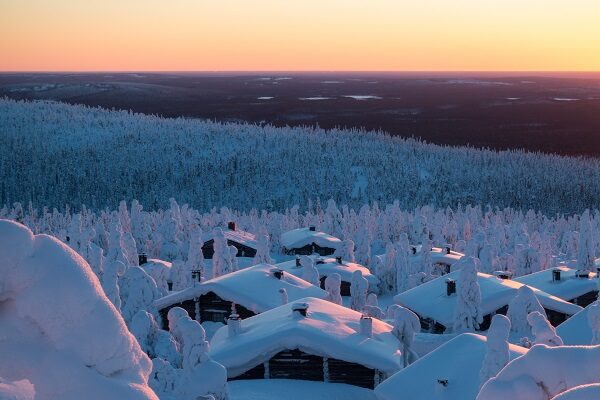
pixel 231 225
pixel 503 274
pixel 68 238
pixel 366 326
pixel 170 285
pixel 414 250
pixel 597 272
pixel 277 273
pixel 447 249
pixel 300 309
pixel 234 325
pixel 450 286
pixel 298 261
pixel 312 228
pixel 142 259
pixel 555 275
pixel 338 260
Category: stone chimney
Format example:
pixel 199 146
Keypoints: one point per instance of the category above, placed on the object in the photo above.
pixel 277 273
pixel 312 228
pixel 231 225
pixel 142 259
pixel 366 326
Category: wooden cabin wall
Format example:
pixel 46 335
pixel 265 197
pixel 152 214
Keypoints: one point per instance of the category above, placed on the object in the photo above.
pixel 212 308
pixel 296 364
pixel 586 299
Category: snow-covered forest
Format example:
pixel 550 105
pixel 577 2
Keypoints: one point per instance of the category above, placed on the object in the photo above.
pixel 55 154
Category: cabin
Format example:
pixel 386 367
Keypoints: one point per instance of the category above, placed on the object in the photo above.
pixel 434 302
pixel 329 265
pixel 566 283
pixel 253 290
pixel 310 339
pixel 245 242
pixel 307 241
pixel 449 372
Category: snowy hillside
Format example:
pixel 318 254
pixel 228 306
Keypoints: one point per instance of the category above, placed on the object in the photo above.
pixel 98 157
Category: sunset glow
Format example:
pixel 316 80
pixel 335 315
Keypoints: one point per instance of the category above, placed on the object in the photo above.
pixel 195 35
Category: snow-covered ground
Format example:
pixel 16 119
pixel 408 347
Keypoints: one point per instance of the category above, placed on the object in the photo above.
pixel 278 389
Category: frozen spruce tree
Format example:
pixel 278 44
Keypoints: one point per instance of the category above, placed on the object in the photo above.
pixel 195 259
pixel 519 308
pixel 163 377
pixel 143 327
pixel 594 322
pixel 359 286
pixel 497 354
pixel 346 251
pixel 586 251
pixel 403 265
pixel 129 248
pixel 110 282
pixel 426 260
pixel 406 324
pixel 386 270
pixel 333 283
pixel 115 249
pixel 263 250
pixel 170 248
pixel 467 315
pixel 372 308
pixel 543 332
pixel 221 256
pixel 233 261
pixel 309 272
pixel 138 292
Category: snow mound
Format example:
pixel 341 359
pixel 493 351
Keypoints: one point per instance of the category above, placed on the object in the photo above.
pixel 301 237
pixel 450 372
pixel 57 327
pixel 544 372
pixel 327 330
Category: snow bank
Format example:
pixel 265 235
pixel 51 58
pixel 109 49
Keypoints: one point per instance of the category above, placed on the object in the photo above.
pixel 544 372
pixel 583 392
pixel 57 328
pixel 301 237
pixel 576 331
pixel 450 372
pixel 327 330
pixel 256 288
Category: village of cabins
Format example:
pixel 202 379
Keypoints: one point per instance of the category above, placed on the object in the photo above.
pixel 285 320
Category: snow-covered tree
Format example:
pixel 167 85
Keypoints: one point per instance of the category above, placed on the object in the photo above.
pixel 332 286
pixel 543 332
pixel 110 282
pixel 359 286
pixel 519 308
pixel 309 272
pixel 263 250
pixel 346 250
pixel 497 349
pixel 163 377
pixel 138 292
pixel 221 257
pixel 467 314
pixel 115 250
pixel 586 255
pixel 372 308
pixel 386 270
pixel 406 324
pixel 170 248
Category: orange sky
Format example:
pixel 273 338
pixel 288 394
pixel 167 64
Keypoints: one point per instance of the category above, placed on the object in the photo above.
pixel 295 35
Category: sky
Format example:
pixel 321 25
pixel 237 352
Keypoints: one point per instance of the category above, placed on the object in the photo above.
pixel 299 35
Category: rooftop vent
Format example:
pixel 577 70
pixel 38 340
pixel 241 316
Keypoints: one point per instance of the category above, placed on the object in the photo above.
pixel 414 249
pixel 169 285
pixel 277 273
pixel 443 382
pixel 300 309
pixel 142 259
pixel 366 326
pixel 448 250
pixel 597 272
pixel 555 275
pixel 196 275
pixel 312 228
pixel 231 225
pixel 450 286
pixel 338 260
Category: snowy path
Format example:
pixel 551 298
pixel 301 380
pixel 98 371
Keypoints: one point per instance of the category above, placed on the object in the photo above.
pixel 277 389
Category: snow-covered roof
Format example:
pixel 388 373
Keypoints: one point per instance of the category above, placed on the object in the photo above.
pixel 329 266
pixel 327 330
pixel 301 237
pixel 430 299
pixel 438 255
pixel 576 331
pixel 568 287
pixel 256 288
pixel 237 235
pixel 457 361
